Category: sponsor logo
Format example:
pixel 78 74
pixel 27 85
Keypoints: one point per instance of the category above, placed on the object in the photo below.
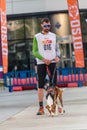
pixel 46 41
pixel 73 10
pixel 76 32
pixel 4 34
pixel 75 25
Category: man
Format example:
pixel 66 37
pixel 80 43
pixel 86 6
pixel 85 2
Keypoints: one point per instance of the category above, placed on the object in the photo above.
pixel 45 50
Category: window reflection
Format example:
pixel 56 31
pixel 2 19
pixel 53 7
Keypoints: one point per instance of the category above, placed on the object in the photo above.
pixel 32 26
pixel 18 56
pixel 62 20
pixel 15 29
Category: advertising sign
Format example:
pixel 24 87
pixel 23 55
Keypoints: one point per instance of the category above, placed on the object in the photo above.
pixel 74 18
pixel 3 36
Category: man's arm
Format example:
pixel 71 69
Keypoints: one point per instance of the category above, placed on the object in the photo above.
pixel 35 49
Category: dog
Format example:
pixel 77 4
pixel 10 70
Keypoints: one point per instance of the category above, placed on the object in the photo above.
pixel 52 96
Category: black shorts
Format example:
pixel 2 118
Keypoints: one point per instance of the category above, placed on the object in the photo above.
pixel 42 71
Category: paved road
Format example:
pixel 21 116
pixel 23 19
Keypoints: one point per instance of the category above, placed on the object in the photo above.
pixel 15 102
pixel 18 110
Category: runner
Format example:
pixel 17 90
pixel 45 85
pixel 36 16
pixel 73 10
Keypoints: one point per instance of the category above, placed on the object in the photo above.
pixel 45 50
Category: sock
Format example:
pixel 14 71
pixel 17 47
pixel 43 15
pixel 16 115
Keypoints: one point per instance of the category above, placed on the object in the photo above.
pixel 41 104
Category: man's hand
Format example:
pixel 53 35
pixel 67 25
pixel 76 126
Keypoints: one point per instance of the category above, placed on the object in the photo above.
pixel 57 59
pixel 46 61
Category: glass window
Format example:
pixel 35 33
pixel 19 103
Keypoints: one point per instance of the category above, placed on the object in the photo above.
pixel 32 26
pixel 18 55
pixel 20 38
pixel 84 23
pixel 15 29
pixel 60 24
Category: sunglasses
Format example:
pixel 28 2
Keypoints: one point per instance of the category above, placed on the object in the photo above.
pixel 47 25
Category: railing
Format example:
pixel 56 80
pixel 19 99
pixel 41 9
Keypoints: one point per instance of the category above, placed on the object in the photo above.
pixel 20 78
pixel 28 78
pixel 71 75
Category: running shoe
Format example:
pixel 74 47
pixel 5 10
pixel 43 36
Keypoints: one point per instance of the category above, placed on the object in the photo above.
pixel 41 111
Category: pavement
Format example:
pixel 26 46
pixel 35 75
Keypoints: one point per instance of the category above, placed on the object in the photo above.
pixel 22 107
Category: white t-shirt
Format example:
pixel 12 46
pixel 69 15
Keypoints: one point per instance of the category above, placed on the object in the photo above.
pixel 46 46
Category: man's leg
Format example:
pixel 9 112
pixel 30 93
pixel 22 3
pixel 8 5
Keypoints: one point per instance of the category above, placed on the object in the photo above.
pixel 40 96
pixel 41 77
pixel 40 99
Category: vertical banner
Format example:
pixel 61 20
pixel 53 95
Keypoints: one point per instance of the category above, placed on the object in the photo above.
pixel 74 17
pixel 3 37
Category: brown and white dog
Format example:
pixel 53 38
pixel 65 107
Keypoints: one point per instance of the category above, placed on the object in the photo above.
pixel 54 95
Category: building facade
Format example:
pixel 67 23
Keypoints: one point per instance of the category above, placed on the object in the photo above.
pixel 23 22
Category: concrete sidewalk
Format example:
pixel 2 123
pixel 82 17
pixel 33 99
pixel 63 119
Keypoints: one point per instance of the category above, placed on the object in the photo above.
pixel 75 118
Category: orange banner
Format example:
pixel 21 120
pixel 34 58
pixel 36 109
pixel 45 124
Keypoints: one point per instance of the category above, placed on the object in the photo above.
pixel 74 18
pixel 3 31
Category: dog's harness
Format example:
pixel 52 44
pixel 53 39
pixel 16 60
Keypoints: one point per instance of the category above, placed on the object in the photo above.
pixel 50 92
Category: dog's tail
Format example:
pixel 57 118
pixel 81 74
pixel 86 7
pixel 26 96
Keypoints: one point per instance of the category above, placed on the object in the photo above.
pixel 63 89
